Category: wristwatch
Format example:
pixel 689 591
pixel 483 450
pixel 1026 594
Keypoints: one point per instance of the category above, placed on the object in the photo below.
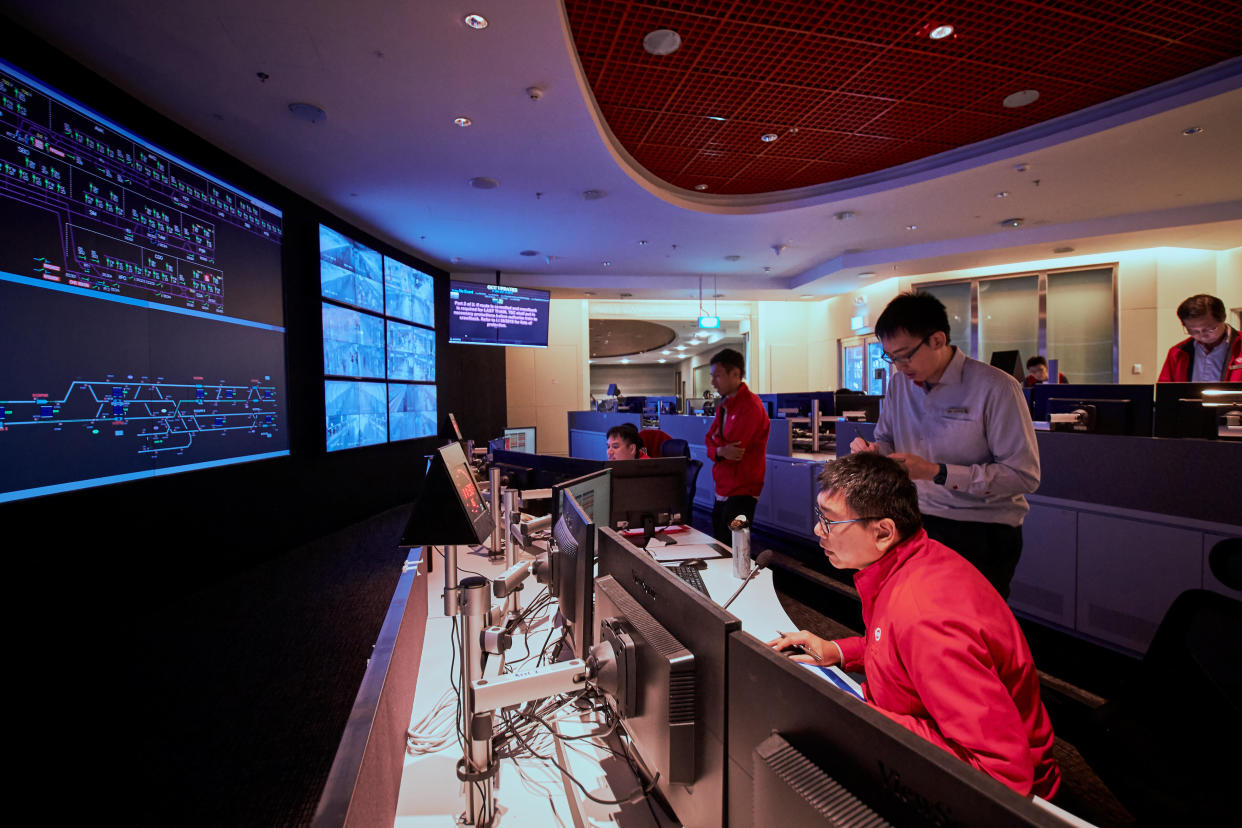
pixel 942 475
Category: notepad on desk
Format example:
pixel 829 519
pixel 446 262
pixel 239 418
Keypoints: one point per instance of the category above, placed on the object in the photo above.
pixel 686 551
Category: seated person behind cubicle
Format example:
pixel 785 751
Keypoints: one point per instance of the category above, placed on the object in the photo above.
pixel 943 655
pixel 624 443
pixel 1038 368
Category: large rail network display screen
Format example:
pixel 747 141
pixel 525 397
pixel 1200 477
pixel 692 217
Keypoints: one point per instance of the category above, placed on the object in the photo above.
pixel 141 322
pixel 379 345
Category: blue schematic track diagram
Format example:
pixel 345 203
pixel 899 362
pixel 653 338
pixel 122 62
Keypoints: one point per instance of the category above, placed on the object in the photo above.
pixel 153 416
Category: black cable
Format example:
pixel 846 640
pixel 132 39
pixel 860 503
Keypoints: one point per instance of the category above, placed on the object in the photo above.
pixel 640 791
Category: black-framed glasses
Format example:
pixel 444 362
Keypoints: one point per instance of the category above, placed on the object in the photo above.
pixel 902 360
pixel 828 524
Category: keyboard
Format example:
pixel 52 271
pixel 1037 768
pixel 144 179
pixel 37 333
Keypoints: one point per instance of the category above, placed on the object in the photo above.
pixel 690 575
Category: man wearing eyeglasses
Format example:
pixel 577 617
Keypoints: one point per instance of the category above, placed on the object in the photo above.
pixel 963 431
pixel 943 655
pixel 1212 352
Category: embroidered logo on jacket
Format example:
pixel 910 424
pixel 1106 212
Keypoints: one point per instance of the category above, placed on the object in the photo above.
pixel 877 633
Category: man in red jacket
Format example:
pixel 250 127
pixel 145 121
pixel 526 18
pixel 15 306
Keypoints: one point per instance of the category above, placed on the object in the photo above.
pixel 737 444
pixel 1212 352
pixel 943 655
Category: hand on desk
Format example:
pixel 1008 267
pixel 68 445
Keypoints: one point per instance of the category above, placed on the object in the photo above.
pixel 733 451
pixel 816 650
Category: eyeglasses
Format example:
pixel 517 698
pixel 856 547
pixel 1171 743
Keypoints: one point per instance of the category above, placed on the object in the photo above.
pixel 1202 332
pixel 828 524
pixel 902 360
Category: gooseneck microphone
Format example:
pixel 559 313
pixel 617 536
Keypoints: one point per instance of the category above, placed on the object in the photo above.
pixel 763 561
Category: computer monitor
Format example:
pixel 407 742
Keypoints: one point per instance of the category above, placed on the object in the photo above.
pixel 674 713
pixel 799 404
pixel 543 471
pixel 647 493
pixel 1092 416
pixel 573 560
pixel 1011 363
pixel 450 508
pixel 521 438
pixel 1207 410
pixel 859 408
pixel 829 741
pixel 1135 419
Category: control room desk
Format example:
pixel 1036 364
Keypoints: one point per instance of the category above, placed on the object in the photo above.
pixel 529 791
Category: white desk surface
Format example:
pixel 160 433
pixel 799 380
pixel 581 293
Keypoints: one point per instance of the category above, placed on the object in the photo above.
pixel 531 792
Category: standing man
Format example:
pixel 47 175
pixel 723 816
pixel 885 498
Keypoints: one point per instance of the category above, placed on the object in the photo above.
pixel 1212 352
pixel 737 443
pixel 963 431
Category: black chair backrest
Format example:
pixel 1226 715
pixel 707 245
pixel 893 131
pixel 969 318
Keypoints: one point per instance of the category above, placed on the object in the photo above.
pixel 675 447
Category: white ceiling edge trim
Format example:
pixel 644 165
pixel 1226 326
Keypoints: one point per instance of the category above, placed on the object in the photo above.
pixel 1078 232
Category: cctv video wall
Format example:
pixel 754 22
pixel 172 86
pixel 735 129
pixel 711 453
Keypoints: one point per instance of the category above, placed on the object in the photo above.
pixel 141 317
pixel 379 345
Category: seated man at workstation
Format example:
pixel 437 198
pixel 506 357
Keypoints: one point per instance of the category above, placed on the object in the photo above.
pixel 1038 368
pixel 943 654
pixel 624 443
pixel 963 431
pixel 1212 352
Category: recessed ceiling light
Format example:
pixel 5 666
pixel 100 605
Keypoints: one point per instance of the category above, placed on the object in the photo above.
pixel 475 21
pixel 1003 194
pixel 1063 249
pixel 717 295
pixel 767 268
pixel 940 32
pixel 308 112
pixel 661 361
pixel 1195 130
pixel 666 352
pixel 484 183
pixel 867 274
pixel 715 118
pixel 588 293
pixel 844 215
pixel 732 257
pixel 529 253
pixel 593 195
pixel 912 227
pixel 806 296
pixel 662 42
pixel 625 362
pixel 463 121
pixel 642 242
pixel 768 137
pixel 681 347
pixel 1017 99
pixel 606 263
pixel 700 187
pixel 1011 222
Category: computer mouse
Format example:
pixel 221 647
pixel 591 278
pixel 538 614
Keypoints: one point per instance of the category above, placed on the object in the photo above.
pixel 697 563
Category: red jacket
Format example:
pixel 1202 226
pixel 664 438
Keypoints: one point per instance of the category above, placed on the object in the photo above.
pixel 1179 364
pixel 945 658
pixel 741 418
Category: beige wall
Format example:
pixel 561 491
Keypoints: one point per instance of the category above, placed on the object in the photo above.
pixel 545 383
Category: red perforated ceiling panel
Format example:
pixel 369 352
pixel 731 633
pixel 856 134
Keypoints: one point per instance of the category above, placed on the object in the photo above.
pixel 856 86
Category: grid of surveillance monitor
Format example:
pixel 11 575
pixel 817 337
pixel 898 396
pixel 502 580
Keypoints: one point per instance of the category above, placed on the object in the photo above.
pixel 717 726
pixel 144 296
pixel 379 345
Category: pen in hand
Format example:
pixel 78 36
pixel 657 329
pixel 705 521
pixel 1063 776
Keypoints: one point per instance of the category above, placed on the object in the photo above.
pixel 802 648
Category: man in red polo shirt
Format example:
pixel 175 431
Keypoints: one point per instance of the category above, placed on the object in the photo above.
pixel 737 444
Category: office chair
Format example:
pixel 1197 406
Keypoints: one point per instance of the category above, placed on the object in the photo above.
pixel 675 447
pixel 692 479
pixel 1160 746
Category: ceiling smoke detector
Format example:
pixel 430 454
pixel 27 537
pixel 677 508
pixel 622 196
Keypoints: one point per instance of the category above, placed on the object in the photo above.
pixel 308 112
pixel 484 183
pixel 1017 99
